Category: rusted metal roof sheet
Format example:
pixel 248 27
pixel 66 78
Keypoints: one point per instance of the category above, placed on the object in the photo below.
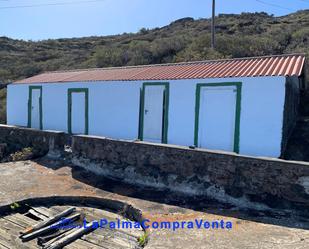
pixel 279 65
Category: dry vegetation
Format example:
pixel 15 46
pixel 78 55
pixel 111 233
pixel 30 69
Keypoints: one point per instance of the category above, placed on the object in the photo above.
pixel 247 34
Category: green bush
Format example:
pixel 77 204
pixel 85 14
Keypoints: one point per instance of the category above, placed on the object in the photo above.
pixel 237 35
pixel 3 106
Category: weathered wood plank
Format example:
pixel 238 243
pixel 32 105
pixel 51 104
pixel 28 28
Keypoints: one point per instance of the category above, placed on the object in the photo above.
pixel 3 246
pixel 115 232
pixel 45 239
pixel 97 214
pixel 111 237
pixel 57 209
pixel 93 213
pixel 43 211
pixel 7 239
pixel 10 231
pixel 9 243
pixel 48 221
pixel 46 244
pixel 82 244
pixel 72 236
pixel 132 232
pixel 20 219
pixel 35 214
pixel 50 228
pixel 10 227
pixel 104 243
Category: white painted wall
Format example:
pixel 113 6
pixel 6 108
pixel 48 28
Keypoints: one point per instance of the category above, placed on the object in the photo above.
pixel 17 104
pixel 114 110
pixel 261 117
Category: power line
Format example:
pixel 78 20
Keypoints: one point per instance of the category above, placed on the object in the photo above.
pixel 49 4
pixel 273 5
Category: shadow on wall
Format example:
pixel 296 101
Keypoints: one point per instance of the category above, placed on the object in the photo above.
pixel 287 218
pixel 297 147
pixel 298 143
pixel 224 183
pixel 2 105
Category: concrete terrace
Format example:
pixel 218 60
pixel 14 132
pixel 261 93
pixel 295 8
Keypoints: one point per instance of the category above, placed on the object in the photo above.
pixel 251 229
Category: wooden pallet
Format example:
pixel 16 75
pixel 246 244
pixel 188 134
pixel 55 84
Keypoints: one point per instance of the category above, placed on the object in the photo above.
pixel 13 224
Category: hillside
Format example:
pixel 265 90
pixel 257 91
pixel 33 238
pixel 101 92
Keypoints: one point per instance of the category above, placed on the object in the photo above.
pixel 247 34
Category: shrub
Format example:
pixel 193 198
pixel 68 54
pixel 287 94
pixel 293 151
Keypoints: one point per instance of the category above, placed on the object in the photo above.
pixel 25 154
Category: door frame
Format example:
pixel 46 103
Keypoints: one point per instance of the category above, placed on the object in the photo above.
pixel 237 114
pixel 165 109
pixel 30 105
pixel 70 92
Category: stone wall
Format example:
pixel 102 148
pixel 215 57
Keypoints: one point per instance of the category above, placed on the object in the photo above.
pixel 228 177
pixel 16 138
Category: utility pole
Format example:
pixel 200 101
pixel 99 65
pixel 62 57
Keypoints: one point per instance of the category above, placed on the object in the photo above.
pixel 213 24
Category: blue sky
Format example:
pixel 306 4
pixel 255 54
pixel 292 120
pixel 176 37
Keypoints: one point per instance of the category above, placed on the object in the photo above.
pixel 77 18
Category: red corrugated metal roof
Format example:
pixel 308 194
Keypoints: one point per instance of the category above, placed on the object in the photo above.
pixel 278 65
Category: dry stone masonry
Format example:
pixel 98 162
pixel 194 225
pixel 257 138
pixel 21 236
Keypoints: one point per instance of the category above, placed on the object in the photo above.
pixel 228 177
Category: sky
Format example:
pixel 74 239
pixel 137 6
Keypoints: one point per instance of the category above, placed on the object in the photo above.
pixel 48 19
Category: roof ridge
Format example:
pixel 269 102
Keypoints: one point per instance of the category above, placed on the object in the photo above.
pixel 175 63
pixel 276 65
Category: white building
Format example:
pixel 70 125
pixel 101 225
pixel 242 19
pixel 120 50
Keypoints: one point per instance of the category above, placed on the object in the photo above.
pixel 246 105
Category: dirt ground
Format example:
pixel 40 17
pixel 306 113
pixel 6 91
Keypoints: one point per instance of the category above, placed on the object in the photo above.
pixel 251 229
